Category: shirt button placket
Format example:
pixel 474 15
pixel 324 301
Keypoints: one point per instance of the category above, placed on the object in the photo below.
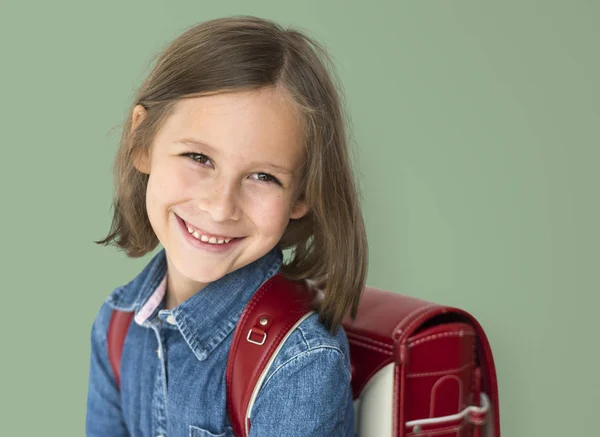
pixel 160 389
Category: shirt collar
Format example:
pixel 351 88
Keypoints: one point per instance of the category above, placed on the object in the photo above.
pixel 209 316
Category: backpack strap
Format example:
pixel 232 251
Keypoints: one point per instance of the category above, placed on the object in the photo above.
pixel 117 330
pixel 274 311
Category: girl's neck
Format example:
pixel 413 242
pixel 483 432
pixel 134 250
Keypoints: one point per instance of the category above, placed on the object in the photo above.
pixel 179 290
pixel 170 301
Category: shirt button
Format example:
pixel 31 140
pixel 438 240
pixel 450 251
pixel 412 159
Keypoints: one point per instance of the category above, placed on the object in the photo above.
pixel 171 319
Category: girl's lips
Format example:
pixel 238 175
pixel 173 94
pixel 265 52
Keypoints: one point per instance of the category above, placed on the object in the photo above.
pixel 213 247
pixel 208 234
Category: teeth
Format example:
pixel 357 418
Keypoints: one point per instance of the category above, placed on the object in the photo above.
pixel 206 239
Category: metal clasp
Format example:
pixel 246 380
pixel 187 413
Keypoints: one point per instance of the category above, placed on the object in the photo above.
pixel 256 342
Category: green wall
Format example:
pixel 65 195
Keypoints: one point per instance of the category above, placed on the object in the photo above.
pixel 476 134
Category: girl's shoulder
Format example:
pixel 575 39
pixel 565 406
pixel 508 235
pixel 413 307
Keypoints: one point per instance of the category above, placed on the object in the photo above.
pixel 311 334
pixel 310 341
pixel 101 322
pixel 309 378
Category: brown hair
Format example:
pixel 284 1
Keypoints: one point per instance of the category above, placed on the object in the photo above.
pixel 329 245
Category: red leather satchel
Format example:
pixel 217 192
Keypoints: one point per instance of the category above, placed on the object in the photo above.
pixel 418 368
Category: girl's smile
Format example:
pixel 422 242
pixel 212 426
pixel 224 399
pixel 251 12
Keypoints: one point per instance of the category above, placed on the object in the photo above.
pixel 205 240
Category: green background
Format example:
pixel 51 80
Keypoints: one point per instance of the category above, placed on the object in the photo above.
pixel 475 129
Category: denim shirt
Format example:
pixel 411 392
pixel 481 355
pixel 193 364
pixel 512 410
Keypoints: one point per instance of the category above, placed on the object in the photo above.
pixel 173 365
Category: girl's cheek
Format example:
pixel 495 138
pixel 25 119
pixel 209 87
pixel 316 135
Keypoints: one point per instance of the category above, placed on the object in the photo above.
pixel 175 184
pixel 186 182
pixel 272 209
pixel 267 197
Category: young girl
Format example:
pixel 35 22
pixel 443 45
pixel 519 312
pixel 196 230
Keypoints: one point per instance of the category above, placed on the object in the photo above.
pixel 234 149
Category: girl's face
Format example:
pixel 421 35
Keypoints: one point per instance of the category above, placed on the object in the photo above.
pixel 227 167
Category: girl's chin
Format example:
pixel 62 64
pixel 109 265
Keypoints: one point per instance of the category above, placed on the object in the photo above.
pixel 204 279
pixel 202 276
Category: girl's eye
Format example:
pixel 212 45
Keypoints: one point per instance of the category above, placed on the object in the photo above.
pixel 265 177
pixel 205 160
pixel 199 158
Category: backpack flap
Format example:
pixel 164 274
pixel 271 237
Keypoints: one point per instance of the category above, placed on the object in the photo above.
pixel 418 368
pixel 437 380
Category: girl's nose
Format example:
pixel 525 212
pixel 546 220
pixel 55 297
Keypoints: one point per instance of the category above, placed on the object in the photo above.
pixel 222 202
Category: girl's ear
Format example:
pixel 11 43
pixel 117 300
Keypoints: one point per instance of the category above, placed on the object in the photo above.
pixel 299 209
pixel 141 161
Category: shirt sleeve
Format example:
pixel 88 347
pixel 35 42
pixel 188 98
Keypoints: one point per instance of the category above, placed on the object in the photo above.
pixel 103 415
pixel 307 396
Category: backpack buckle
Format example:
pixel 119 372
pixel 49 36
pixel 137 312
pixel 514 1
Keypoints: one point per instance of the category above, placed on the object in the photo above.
pixel 260 328
pixel 262 341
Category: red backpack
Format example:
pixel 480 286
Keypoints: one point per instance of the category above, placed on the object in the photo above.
pixel 418 368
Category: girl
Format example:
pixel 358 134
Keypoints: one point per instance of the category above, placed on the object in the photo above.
pixel 234 149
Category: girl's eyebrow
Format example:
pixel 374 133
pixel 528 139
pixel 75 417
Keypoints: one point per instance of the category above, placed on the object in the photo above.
pixel 194 142
pixel 274 167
